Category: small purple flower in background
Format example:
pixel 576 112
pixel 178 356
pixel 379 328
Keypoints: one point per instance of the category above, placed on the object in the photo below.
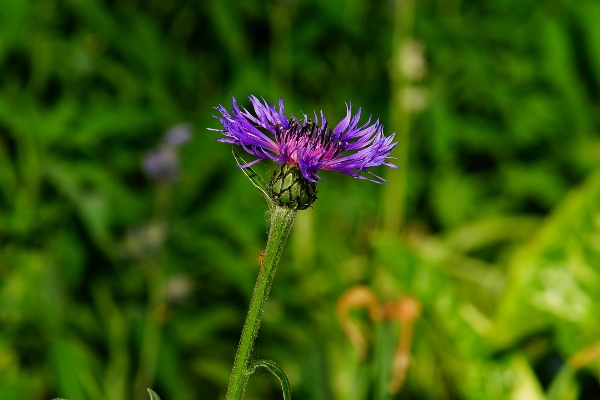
pixel 307 143
pixel 163 163
pixel 178 135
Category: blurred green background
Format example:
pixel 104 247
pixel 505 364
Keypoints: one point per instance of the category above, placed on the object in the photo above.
pixel 127 257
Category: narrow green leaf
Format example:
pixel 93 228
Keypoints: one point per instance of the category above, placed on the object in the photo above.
pixel 275 370
pixel 255 178
pixel 385 342
pixel 564 386
pixel 153 395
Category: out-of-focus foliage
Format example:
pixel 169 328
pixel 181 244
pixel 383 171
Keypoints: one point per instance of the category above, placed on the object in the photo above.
pixel 112 281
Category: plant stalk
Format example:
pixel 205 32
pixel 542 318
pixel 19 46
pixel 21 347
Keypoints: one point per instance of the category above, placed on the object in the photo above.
pixel 394 201
pixel 282 220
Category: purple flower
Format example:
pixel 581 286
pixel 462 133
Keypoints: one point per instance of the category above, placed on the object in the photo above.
pixel 162 163
pixel 178 135
pixel 308 143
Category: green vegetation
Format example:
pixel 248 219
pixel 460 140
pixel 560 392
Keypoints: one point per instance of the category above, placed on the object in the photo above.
pixel 485 247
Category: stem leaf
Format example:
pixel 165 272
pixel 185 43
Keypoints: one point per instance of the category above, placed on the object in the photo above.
pixel 275 370
pixel 255 178
pixel 153 395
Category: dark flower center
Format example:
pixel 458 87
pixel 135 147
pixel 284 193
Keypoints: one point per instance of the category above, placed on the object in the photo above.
pixel 309 141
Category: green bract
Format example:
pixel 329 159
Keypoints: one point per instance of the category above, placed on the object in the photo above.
pixel 289 189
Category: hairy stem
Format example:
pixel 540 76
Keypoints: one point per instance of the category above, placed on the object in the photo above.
pixel 282 220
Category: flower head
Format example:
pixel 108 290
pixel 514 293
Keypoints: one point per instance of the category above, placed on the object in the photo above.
pixel 307 143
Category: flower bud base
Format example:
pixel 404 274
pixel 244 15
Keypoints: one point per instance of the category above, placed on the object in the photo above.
pixel 288 188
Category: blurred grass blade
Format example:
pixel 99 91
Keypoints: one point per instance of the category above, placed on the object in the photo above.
pixel 255 178
pixel 564 385
pixel 275 370
pixel 153 395
pixel 384 347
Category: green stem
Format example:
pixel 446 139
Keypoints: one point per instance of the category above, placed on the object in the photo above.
pixel 151 337
pixel 394 202
pixel 282 220
pixel 383 357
